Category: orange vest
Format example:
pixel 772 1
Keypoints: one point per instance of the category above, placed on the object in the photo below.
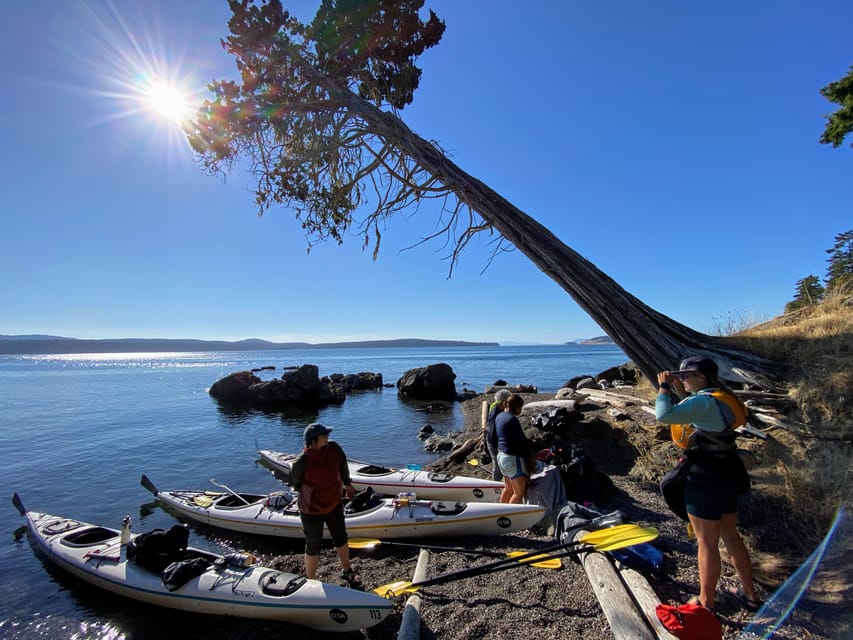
pixel 733 410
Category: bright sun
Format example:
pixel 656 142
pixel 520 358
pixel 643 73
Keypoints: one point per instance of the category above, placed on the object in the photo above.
pixel 167 101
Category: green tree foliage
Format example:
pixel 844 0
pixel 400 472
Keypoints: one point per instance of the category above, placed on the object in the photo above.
pixel 839 123
pixel 809 292
pixel 310 147
pixel 374 43
pixel 839 274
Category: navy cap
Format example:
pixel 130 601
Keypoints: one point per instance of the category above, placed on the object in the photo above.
pixel 315 430
pixel 705 366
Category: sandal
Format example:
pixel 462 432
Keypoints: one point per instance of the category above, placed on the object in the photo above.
pixel 749 604
pixel 353 580
pixel 695 600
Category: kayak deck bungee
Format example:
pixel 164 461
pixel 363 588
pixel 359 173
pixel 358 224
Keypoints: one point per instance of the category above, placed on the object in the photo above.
pixel 388 518
pixel 94 554
pixel 427 485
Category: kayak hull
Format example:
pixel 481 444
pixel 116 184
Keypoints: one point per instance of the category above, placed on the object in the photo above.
pixel 384 518
pixel 427 485
pixel 93 554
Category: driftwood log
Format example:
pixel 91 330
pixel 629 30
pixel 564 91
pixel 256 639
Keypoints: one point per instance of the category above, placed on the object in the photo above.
pixel 625 618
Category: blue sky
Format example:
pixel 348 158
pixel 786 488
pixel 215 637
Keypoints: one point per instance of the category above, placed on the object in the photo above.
pixel 673 144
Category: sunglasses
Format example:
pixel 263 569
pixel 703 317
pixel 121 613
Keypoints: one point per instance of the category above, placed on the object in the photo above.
pixel 683 376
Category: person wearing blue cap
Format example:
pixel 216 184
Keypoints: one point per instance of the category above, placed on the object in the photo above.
pixel 320 473
pixel 716 475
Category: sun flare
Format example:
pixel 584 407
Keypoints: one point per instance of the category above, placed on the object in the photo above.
pixel 167 101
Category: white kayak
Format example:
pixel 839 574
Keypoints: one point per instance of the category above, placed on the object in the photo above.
pixel 93 553
pixel 429 485
pixel 386 518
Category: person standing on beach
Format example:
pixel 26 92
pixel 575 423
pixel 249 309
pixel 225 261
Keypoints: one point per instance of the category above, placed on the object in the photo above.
pixel 320 473
pixel 491 436
pixel 513 448
pixel 716 476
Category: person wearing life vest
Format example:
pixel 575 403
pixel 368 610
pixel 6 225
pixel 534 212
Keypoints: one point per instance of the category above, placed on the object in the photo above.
pixel 320 474
pixel 716 475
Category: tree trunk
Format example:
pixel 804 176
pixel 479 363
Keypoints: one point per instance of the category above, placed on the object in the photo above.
pixel 652 340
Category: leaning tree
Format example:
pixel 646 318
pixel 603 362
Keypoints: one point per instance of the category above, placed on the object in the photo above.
pixel 316 116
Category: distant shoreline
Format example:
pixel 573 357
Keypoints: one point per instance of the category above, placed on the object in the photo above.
pixel 41 345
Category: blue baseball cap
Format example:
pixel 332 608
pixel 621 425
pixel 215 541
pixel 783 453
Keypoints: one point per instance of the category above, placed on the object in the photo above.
pixel 315 430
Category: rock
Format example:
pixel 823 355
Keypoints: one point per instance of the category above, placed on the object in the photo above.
pixel 357 381
pixel 515 388
pixel 467 394
pixel 586 383
pixel 572 383
pixel 438 443
pixel 299 387
pixel 234 388
pixel 625 374
pixel 425 432
pixel 433 382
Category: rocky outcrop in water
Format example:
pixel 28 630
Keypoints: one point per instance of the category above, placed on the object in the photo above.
pixel 299 387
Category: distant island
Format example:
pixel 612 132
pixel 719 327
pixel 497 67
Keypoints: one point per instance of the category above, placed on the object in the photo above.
pixel 42 344
pixel 597 340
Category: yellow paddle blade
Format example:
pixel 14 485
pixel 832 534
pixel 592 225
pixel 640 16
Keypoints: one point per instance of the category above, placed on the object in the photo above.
pixel 536 561
pixel 203 501
pixel 645 534
pixel 605 535
pixel 474 462
pixel 363 543
pixel 395 589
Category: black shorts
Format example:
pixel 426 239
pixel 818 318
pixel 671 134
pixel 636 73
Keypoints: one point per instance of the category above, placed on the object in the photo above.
pixel 711 489
pixel 312 526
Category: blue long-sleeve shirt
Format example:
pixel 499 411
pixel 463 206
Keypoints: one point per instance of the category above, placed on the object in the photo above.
pixel 511 438
pixel 698 409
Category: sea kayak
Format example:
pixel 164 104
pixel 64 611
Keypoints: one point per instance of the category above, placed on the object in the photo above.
pixel 404 516
pixel 95 555
pixel 428 485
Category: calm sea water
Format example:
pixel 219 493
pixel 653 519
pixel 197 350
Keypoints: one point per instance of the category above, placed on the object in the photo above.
pixel 78 431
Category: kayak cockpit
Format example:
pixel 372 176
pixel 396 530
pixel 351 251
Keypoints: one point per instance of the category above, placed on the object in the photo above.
pixel 279 584
pixel 89 537
pixel 239 501
pixel 374 470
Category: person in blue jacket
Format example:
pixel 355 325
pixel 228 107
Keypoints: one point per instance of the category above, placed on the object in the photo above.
pixel 513 451
pixel 716 476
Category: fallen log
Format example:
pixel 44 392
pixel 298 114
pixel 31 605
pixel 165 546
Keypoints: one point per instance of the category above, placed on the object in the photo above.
pixel 625 619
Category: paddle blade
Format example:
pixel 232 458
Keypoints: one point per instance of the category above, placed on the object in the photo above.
pixel 537 561
pixel 395 589
pixel 146 482
pixel 474 462
pixel 19 505
pixel 363 543
pixel 620 541
pixel 604 535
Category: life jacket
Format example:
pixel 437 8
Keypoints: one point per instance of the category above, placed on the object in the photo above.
pixel 734 415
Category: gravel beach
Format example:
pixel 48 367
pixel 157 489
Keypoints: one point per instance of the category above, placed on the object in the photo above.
pixel 529 602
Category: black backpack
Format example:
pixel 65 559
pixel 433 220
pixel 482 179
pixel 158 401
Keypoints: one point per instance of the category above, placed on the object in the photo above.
pixel 177 574
pixel 157 549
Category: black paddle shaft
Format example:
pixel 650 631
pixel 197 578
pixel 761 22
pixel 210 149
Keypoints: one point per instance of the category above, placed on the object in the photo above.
pixel 548 553
pixel 435 547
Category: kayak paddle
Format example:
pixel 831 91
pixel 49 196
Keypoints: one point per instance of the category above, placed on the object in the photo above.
pixel 608 539
pixel 370 543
